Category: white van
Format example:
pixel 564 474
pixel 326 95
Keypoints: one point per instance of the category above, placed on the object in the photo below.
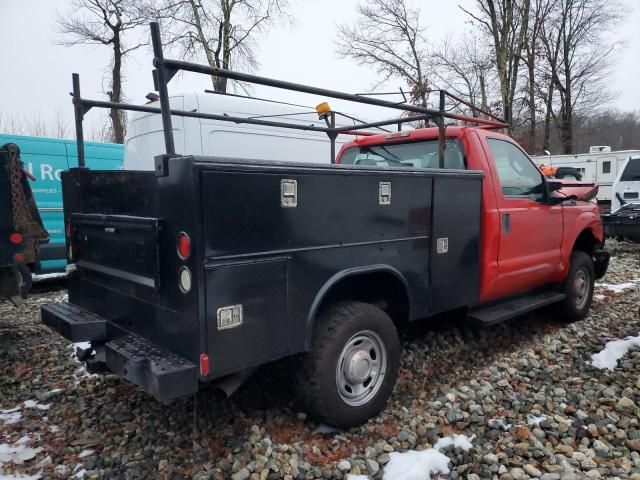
pixel 195 136
pixel 626 188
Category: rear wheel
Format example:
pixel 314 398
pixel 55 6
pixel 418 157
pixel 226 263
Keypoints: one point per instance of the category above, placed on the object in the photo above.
pixel 578 287
pixel 349 374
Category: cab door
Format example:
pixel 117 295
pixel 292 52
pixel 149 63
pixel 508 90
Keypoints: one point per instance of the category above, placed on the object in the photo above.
pixel 529 253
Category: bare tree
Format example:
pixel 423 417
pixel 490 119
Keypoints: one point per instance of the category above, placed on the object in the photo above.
pixel 507 24
pixel 466 68
pixel 579 57
pixel 10 124
pixel 60 125
pixel 107 22
pixel 224 32
pixel 22 124
pixel 533 59
pixel 388 37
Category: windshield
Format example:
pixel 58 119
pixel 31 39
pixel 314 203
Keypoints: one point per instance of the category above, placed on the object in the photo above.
pixel 631 171
pixel 420 154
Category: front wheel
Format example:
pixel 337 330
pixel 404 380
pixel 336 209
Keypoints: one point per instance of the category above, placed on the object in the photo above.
pixel 349 374
pixel 578 287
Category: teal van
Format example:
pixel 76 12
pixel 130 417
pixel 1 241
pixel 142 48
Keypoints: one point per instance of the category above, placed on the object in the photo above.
pixel 45 159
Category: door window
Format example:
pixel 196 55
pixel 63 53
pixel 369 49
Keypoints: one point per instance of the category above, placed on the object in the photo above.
pixel 519 177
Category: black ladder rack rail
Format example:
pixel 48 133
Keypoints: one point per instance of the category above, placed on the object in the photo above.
pixel 166 69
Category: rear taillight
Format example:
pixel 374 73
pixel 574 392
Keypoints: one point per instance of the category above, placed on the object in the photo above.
pixel 16 238
pixel 204 364
pixel 68 228
pixel 19 258
pixel 184 246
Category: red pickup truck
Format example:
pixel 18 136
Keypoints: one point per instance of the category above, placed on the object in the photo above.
pixel 207 267
pixel 533 233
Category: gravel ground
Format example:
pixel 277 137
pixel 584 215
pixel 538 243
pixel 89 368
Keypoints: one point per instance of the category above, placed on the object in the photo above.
pixel 524 391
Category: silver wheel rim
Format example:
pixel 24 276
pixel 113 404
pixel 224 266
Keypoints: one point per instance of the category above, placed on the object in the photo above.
pixel 361 368
pixel 581 286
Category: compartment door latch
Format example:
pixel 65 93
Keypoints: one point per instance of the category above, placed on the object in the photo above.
pixel 288 193
pixel 384 193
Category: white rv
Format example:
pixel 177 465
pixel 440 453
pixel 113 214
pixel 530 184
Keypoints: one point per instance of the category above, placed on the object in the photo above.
pixel 601 165
pixel 195 136
pixel 626 188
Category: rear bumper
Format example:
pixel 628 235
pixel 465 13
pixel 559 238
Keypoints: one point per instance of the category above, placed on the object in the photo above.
pixel 159 372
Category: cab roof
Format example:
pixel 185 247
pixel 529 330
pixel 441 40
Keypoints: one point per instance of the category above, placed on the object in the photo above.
pixel 427 133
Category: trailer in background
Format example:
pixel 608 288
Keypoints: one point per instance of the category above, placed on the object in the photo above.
pixel 46 159
pixel 601 165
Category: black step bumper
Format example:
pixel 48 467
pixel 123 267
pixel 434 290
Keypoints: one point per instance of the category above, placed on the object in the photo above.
pixel 159 372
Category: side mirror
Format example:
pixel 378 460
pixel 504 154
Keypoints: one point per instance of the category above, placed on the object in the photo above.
pixel 554 186
pixel 552 199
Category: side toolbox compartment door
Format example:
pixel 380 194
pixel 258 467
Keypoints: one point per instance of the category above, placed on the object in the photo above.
pixel 455 256
pixel 251 332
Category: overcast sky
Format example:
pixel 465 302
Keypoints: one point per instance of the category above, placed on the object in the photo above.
pixel 36 73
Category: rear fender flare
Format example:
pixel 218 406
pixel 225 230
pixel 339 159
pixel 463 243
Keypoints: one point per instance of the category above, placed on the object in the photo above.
pixel 338 277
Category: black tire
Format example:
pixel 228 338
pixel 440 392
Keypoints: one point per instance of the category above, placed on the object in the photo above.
pixel 338 330
pixel 576 305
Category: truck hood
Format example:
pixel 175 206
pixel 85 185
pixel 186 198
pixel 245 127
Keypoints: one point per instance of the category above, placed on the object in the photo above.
pixel 575 189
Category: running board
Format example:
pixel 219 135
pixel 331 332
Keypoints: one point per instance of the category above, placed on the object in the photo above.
pixel 512 308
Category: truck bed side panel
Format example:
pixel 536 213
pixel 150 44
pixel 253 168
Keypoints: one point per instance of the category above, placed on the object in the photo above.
pixel 273 260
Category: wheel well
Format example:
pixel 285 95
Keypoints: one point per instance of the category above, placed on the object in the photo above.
pixel 586 242
pixel 381 288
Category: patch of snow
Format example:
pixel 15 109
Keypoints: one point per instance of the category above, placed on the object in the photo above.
pixel 85 453
pixel 499 423
pixel 17 453
pixel 533 420
pixel 18 476
pixel 322 428
pixel 80 473
pixel 34 404
pixel 81 373
pixel 419 465
pixel 10 410
pixel 11 417
pixel 74 347
pixel 618 288
pixel 56 390
pixel 356 477
pixel 62 298
pixel 598 296
pixel 457 441
pixel 614 351
pixel 48 276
